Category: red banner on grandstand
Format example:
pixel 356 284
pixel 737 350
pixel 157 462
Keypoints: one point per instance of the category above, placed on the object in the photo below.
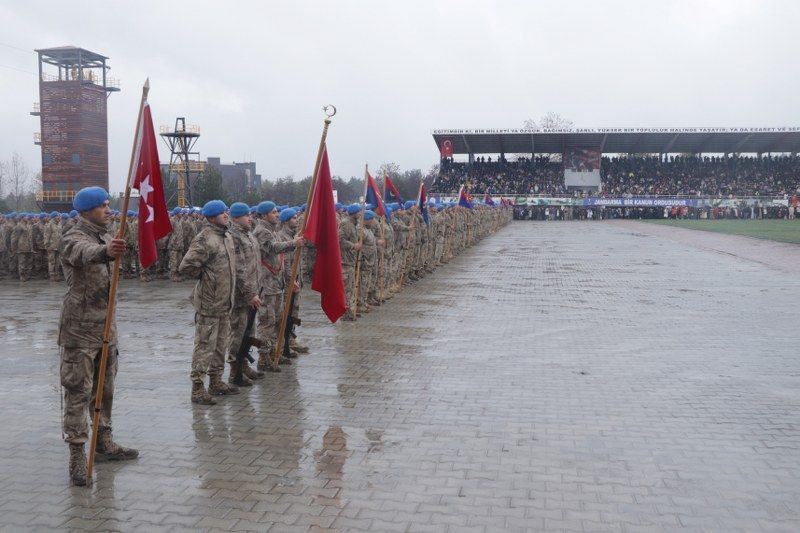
pixel 446 149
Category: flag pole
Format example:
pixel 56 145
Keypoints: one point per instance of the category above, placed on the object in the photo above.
pixel 112 292
pixel 298 249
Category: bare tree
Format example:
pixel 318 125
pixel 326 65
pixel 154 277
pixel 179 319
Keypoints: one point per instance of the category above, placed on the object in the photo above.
pixel 19 179
pixel 2 179
pixel 550 121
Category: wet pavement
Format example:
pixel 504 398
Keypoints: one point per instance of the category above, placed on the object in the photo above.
pixel 557 376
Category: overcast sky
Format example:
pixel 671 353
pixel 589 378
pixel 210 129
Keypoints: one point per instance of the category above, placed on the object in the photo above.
pixel 254 75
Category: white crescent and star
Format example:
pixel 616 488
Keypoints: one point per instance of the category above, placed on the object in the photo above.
pixel 144 191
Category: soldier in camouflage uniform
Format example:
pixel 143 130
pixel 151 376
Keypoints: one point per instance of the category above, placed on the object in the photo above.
pixel 22 246
pixel 52 241
pixel 349 246
pixel 175 245
pixel 211 260
pixel 289 222
pixel 5 225
pixel 369 256
pixel 86 251
pixel 248 287
pixel 272 252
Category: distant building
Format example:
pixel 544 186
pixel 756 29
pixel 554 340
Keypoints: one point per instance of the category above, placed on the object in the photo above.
pixel 236 177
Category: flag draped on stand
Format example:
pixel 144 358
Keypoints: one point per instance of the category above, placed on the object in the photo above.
pixel 392 195
pixel 487 199
pixel 422 203
pixel 463 198
pixel 322 230
pixel 373 196
pixel 153 217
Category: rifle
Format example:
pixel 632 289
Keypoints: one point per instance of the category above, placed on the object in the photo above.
pixel 288 333
pixel 244 348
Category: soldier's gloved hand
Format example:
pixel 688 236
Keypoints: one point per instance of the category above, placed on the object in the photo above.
pixel 255 302
pixel 298 240
pixel 357 246
pixel 115 248
pixel 381 242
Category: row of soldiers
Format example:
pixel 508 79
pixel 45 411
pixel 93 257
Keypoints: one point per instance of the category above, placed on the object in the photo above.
pixel 242 259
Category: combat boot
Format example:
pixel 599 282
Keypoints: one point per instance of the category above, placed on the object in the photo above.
pixel 262 365
pixel 200 395
pixel 108 449
pixel 77 465
pixel 246 381
pixel 252 374
pixel 297 347
pixel 219 388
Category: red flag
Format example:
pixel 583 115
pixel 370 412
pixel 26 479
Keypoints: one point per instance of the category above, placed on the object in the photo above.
pixel 447 148
pixel 322 230
pixel 373 196
pixel 153 217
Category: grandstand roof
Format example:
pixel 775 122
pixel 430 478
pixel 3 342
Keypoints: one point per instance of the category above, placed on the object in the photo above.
pixel 622 140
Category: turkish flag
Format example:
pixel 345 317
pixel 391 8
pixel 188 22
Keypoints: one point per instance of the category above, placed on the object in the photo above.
pixel 153 217
pixel 447 148
pixel 322 230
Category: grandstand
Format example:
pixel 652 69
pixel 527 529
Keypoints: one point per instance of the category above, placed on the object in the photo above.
pixel 623 166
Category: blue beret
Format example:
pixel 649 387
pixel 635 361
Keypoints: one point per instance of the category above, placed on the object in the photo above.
pixel 64 216
pixel 388 210
pixel 239 209
pixel 265 207
pixel 369 215
pixel 55 214
pixel 253 210
pixel 338 206
pixel 185 211
pixel 352 209
pixel 214 208
pixel 73 214
pixel 409 204
pixel 288 213
pixel 175 211
pixel 131 213
pixel 42 215
pixel 282 207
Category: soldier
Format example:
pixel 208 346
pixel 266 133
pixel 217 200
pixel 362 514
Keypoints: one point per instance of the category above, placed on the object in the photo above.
pixel 211 259
pixel 130 259
pixel 52 242
pixel 271 251
pixel 86 251
pixel 289 222
pixel 22 246
pixel 175 245
pixel 369 257
pixel 349 246
pixel 248 287
pixel 5 225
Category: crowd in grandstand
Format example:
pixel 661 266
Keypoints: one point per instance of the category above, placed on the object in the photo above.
pixel 632 175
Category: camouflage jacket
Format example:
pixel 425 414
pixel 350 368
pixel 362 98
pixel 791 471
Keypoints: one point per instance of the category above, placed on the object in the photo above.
pixel 87 271
pixel 176 237
pixel 54 237
pixel 272 248
pixel 21 238
pixel 285 233
pixel 248 271
pixel 370 251
pixel 348 238
pixel 211 259
pixel 5 235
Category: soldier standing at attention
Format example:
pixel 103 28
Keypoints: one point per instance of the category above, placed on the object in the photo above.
pixel 86 251
pixel 248 287
pixel 211 260
pixel 175 245
pixel 349 247
pixel 22 245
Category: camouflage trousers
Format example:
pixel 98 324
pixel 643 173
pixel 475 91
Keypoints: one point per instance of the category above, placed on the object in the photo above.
pixel 25 265
pixel 268 322
pixel 210 342
pixel 3 264
pixel 365 284
pixel 348 277
pixel 130 261
pixel 80 369
pixel 53 265
pixel 238 325
pixel 175 257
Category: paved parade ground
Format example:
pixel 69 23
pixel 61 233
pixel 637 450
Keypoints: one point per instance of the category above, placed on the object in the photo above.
pixel 579 376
